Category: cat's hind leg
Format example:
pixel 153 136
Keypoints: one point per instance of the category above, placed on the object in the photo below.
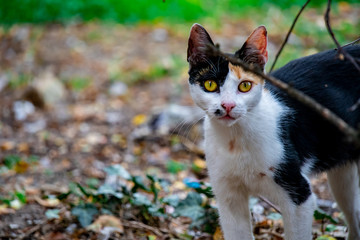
pixel 344 184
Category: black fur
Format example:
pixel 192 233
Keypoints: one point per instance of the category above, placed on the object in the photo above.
pixel 305 134
pixel 217 71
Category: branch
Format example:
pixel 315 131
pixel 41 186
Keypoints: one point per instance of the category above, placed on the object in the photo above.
pixel 355 106
pixel 352 43
pixel 341 52
pixel 288 35
pixel 349 131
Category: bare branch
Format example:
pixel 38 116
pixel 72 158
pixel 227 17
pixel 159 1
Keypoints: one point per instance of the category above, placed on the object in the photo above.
pixel 355 106
pixel 341 52
pixel 349 131
pixel 357 41
pixel 288 35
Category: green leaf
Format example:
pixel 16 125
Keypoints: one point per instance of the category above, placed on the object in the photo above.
pixel 274 216
pixel 118 170
pixel 106 189
pixel 172 200
pixel 85 213
pixel 33 159
pixel 73 188
pixel 175 166
pixel 63 195
pixel 191 207
pixel 21 196
pixel 139 183
pixel 92 182
pixel 330 228
pixel 156 210
pixel 140 200
pixel 82 189
pixel 321 215
pixel 52 214
pixel 325 237
pixel 154 189
pixel 10 161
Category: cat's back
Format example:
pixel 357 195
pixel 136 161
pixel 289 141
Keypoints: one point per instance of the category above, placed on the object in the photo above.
pixel 333 83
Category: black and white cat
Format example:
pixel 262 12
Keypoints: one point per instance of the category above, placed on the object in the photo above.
pixel 259 141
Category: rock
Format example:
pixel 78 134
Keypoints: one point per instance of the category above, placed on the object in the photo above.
pixel 50 87
pixel 118 89
pixel 4 80
pixel 159 35
pixel 22 109
pixel 36 126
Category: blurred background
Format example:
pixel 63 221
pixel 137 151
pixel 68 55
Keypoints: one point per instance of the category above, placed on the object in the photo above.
pixel 93 91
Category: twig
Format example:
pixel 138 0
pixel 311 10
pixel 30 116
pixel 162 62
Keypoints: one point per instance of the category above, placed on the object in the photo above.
pixel 352 43
pixel 140 225
pixel 288 35
pixel 341 52
pixel 349 131
pixel 270 204
pixel 355 106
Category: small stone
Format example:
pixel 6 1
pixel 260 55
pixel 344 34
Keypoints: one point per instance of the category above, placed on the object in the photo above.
pixel 22 109
pixel 118 89
pixel 4 80
pixel 159 35
pixel 14 226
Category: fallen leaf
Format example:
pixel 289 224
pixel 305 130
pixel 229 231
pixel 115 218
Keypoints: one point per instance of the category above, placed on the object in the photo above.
pixel 21 166
pixel 139 119
pixel 49 202
pixel 325 237
pixel 52 214
pixel 6 146
pixel 218 235
pixel 200 163
pixel 5 210
pixel 23 147
pixel 106 221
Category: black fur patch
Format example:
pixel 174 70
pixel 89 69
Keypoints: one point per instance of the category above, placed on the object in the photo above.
pixel 213 68
pixel 288 176
pixel 304 133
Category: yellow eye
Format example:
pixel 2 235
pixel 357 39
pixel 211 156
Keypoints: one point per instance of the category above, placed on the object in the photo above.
pixel 245 86
pixel 210 85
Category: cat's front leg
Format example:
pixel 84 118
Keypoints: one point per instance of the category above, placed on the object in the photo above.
pixel 234 213
pixel 297 203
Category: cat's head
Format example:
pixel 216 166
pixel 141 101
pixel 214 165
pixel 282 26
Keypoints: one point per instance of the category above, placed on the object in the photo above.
pixel 224 91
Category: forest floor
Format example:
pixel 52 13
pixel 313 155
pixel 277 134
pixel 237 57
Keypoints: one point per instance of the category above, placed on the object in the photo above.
pixel 80 155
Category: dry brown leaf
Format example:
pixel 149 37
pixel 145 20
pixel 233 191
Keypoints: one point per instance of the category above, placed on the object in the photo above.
pixel 218 235
pixel 106 221
pixel 50 202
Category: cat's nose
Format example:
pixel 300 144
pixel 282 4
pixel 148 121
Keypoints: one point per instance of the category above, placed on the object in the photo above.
pixel 228 106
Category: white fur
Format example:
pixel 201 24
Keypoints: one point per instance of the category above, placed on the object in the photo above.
pixel 246 170
pixel 344 183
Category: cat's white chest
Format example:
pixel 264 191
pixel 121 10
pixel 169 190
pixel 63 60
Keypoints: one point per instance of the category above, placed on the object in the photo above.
pixel 243 157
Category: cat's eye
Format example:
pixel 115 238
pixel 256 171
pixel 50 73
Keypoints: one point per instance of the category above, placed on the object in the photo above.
pixel 245 86
pixel 210 85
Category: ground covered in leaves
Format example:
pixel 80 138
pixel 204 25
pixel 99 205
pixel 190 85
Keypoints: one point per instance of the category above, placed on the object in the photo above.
pixel 83 153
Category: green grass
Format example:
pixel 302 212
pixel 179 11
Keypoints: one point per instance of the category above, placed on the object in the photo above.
pixel 45 11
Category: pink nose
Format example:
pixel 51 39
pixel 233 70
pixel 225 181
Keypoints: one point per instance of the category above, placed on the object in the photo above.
pixel 228 106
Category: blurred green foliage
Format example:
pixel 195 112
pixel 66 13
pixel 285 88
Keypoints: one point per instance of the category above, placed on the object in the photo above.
pixel 43 11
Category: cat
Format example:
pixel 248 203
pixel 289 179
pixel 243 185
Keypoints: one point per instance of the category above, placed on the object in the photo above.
pixel 259 141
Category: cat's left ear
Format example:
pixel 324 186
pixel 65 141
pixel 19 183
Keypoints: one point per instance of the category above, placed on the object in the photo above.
pixel 198 40
pixel 254 50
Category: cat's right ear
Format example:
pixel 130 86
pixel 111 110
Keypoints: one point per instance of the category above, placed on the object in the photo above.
pixel 198 40
pixel 254 50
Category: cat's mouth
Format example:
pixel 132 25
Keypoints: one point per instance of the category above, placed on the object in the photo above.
pixel 227 117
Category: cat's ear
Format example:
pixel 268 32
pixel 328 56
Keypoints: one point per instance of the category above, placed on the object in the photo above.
pixel 198 40
pixel 254 50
